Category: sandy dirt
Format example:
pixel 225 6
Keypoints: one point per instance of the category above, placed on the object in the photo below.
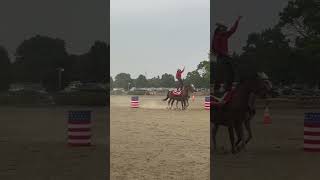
pixel 155 143
pixel 33 145
pixel 275 153
pixel 151 142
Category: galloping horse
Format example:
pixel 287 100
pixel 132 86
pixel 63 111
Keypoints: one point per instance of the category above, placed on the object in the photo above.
pixel 234 113
pixel 181 96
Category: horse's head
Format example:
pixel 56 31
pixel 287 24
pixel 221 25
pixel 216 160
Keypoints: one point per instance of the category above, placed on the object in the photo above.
pixel 263 85
pixel 190 88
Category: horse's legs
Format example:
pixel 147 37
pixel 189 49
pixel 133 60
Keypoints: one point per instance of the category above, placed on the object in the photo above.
pixel 214 134
pixel 169 103
pixel 231 135
pixel 177 105
pixel 172 103
pixel 240 134
pixel 248 128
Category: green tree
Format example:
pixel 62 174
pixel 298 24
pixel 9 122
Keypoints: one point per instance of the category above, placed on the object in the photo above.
pixel 204 70
pixel 37 59
pixel 98 58
pixel 301 18
pixel 154 82
pixel 267 51
pixel 122 80
pixel 5 73
pixel 194 78
pixel 167 81
pixel 141 82
pixel 111 83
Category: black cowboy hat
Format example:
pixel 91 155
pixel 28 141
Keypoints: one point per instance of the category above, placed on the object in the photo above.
pixel 221 25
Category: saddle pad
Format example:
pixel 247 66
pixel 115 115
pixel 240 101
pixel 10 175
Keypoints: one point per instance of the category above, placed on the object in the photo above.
pixel 176 92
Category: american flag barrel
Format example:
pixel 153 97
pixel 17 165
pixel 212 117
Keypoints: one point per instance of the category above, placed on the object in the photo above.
pixel 207 103
pixel 312 132
pixel 79 128
pixel 134 101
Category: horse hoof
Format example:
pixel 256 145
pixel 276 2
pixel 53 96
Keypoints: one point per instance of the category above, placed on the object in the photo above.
pixel 234 151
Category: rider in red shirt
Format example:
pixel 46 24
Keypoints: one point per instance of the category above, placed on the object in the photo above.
pixel 178 76
pixel 224 71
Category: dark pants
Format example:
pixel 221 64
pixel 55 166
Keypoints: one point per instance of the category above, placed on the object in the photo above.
pixel 180 86
pixel 223 72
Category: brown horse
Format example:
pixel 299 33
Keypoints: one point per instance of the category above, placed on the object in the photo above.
pixel 183 97
pixel 235 113
pixel 184 102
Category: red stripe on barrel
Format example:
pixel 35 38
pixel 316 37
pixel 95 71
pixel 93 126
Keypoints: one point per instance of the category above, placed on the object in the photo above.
pixel 134 102
pixel 207 103
pixel 79 128
pixel 312 132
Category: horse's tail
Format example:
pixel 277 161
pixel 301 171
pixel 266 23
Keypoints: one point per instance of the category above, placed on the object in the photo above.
pixel 166 97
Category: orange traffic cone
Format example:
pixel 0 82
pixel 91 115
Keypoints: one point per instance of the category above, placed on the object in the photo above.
pixel 193 98
pixel 266 116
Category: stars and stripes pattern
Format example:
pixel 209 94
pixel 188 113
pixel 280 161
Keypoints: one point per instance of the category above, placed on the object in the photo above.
pixel 134 101
pixel 207 103
pixel 79 128
pixel 312 132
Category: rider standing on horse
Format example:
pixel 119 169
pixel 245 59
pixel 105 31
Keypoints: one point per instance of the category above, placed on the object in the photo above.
pixel 178 76
pixel 224 71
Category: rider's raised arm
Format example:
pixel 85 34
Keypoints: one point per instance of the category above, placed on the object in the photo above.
pixel 182 70
pixel 233 28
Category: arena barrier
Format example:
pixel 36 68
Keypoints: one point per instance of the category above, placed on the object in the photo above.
pixel 311 132
pixel 135 102
pixel 79 128
pixel 207 103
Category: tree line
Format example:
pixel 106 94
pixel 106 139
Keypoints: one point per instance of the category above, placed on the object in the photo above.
pixel 200 78
pixel 289 52
pixel 37 59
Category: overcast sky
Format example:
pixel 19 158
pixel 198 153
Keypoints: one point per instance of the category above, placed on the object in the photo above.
pixel 257 15
pixel 78 22
pixel 154 37
pixel 147 36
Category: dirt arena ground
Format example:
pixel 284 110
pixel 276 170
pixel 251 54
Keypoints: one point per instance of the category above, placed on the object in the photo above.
pixel 33 145
pixel 275 153
pixel 153 143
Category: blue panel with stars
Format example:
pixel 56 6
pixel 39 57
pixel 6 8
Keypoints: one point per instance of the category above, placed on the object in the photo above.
pixel 312 117
pixel 79 115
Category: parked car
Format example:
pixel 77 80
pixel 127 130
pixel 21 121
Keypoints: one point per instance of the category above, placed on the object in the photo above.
pixel 287 91
pixel 275 93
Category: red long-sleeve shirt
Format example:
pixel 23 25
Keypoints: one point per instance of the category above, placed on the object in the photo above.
pixel 219 43
pixel 179 73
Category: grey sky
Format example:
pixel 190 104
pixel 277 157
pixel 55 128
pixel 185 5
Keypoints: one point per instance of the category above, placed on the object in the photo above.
pixel 157 37
pixel 79 23
pixel 257 15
